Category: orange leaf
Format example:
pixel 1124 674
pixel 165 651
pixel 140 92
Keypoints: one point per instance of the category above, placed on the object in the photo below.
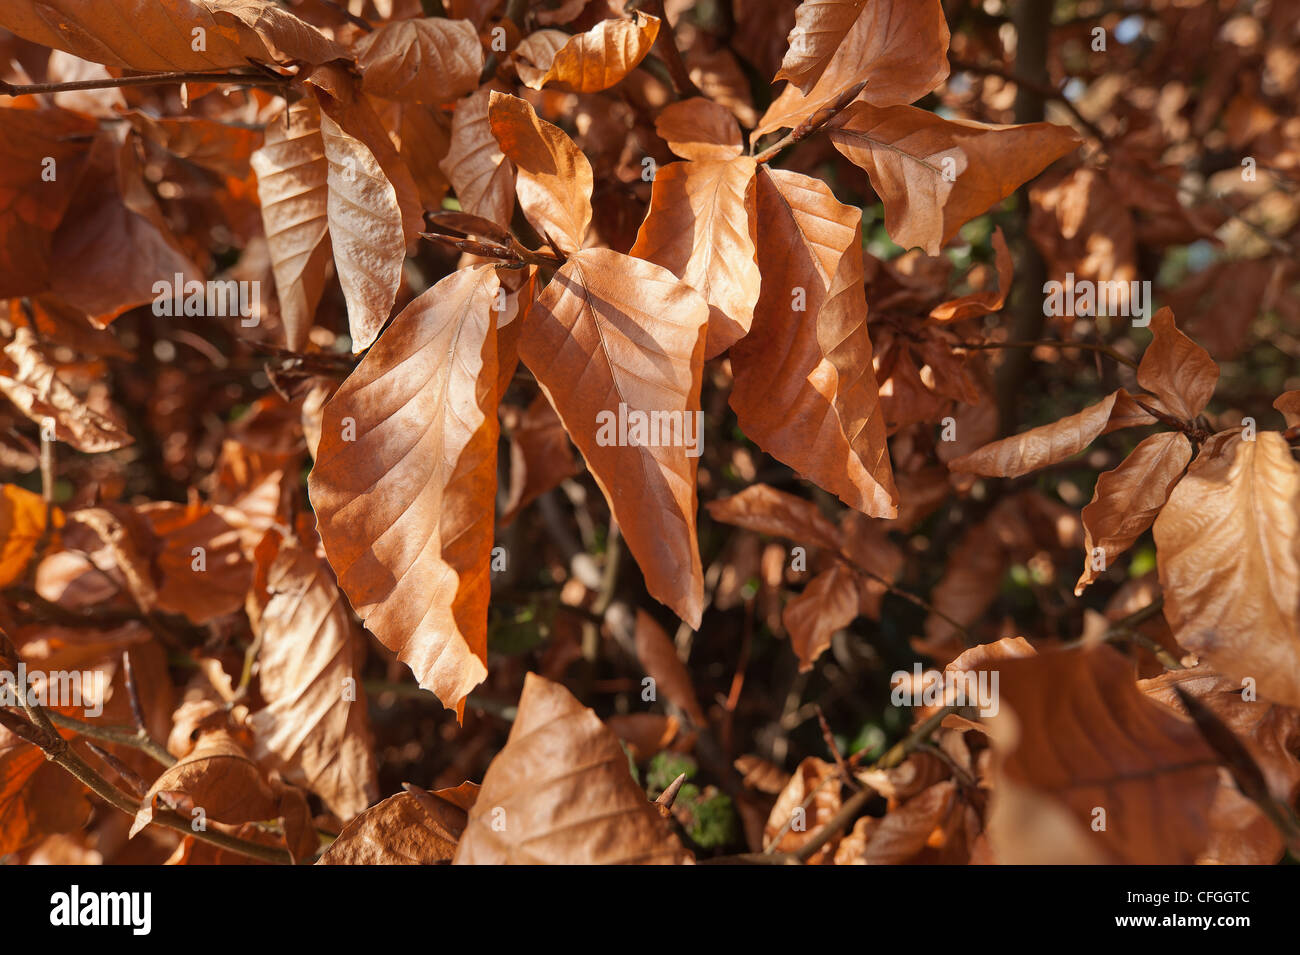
pixel 768 511
pixel 1228 553
pixel 829 603
pixel 559 792
pixel 32 206
pixel 541 456
pixel 820 26
pixel 22 526
pixel 701 227
pixel 484 179
pixel 934 175
pixel 1050 443
pixel 365 225
pixel 981 303
pixel 1080 737
pixel 554 178
pixel 611 336
pixel 33 384
pixel 312 729
pixel 404 480
pixel 1289 404
pixel 659 660
pixel 1127 499
pixel 588 62
pixel 699 129
pixel 899 47
pixel 292 172
pixel 805 389
pixel 429 60
pixel 1179 371
pixel 411 828
pixel 160 35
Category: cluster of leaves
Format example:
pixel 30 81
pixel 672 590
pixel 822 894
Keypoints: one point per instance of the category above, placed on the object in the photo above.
pixel 286 530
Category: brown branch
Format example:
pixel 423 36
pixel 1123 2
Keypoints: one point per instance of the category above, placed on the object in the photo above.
pixel 352 18
pixel 128 775
pixel 1045 90
pixel 1051 343
pixel 121 735
pixel 850 809
pixel 133 693
pixel 1124 627
pixel 666 43
pixel 1197 435
pixel 908 596
pixel 813 123
pixel 900 750
pixel 43 734
pixel 147 79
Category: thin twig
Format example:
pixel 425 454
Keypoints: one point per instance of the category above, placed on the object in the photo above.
pixel 666 43
pixel 133 694
pixel 121 735
pixel 845 776
pixel 813 123
pixel 1052 343
pixel 909 597
pixel 58 750
pixel 1197 435
pixel 849 810
pixel 47 469
pixel 1126 627
pixel 1045 90
pixel 128 775
pixel 148 79
pixel 900 750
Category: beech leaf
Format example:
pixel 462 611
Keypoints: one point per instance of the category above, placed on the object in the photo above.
pixel 365 225
pixel 484 179
pixel 412 828
pixel 404 480
pixel 701 227
pixel 292 175
pixel 1075 730
pixel 1127 500
pixel 699 129
pixel 588 62
pixel 427 60
pixel 553 177
pixel 829 603
pixel 314 728
pixel 1228 552
pixel 1050 443
pixel 934 175
pixel 611 336
pixel 1179 371
pixel 805 390
pixel 898 47
pixel 559 792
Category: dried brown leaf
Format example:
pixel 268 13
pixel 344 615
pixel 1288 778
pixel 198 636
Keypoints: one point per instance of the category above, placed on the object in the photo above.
pixel 560 792
pixel 404 482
